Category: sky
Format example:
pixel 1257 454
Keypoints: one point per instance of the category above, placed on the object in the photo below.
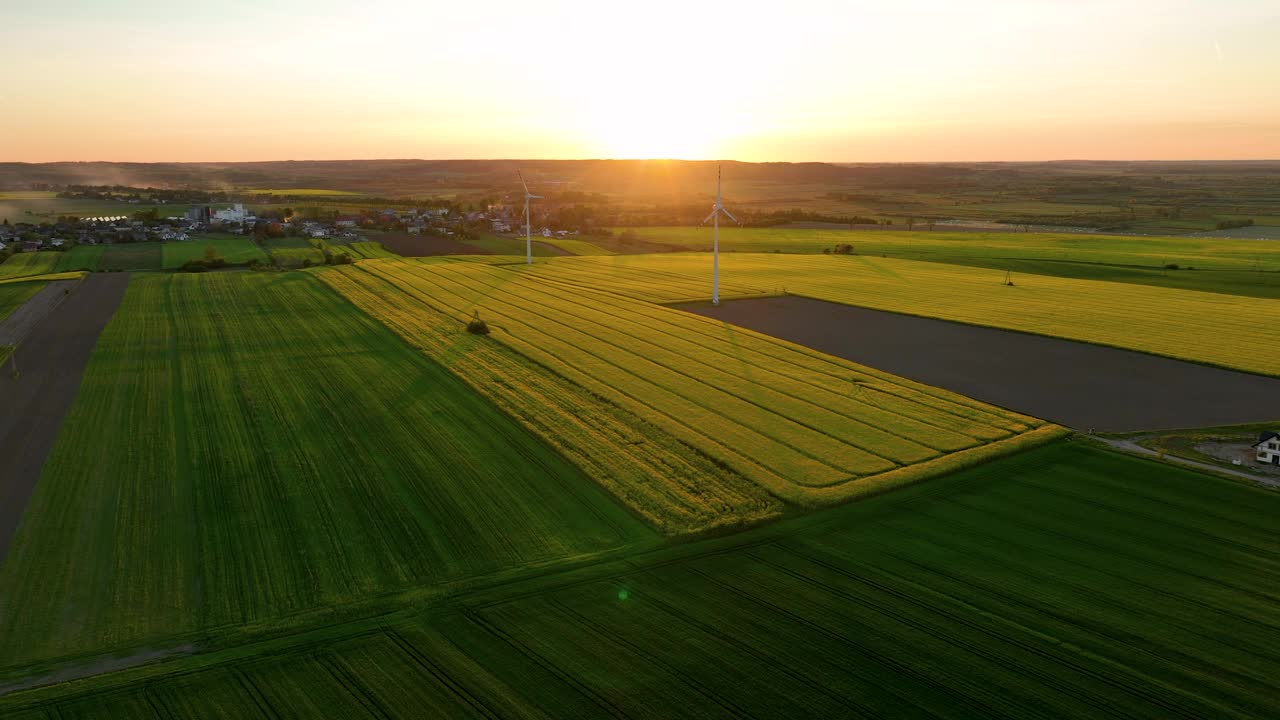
pixel 801 80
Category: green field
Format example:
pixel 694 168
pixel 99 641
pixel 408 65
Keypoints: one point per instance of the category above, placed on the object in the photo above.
pixel 1227 330
pixel 13 295
pixel 82 257
pixel 235 249
pixel 1245 267
pixel 809 428
pixel 249 452
pixel 29 263
pixel 132 256
pixel 293 252
pixel 1064 582
pixel 42 206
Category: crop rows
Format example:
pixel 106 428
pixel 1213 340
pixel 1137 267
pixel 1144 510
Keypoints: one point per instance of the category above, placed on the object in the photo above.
pixel 1226 330
pixel 1118 250
pixel 246 447
pixel 671 484
pixel 235 249
pixel 789 420
pixel 371 250
pixel 1064 582
pixel 82 257
pixel 29 263
pixel 293 252
pixel 13 295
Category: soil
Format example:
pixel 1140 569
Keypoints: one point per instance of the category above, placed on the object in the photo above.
pixel 409 245
pixel 51 360
pixel 1072 383
pixel 36 308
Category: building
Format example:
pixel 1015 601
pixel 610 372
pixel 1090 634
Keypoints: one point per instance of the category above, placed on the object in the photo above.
pixel 234 214
pixel 1268 447
pixel 198 214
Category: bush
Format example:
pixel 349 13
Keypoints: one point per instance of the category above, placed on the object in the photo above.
pixel 1171 266
pixel 477 326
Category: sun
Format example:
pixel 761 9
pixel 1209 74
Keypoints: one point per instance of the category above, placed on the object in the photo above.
pixel 651 133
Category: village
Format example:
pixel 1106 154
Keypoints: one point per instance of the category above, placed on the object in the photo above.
pixel 68 231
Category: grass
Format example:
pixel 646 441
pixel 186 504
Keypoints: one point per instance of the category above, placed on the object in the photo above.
pixel 29 263
pixel 293 252
pixel 132 256
pixel 249 448
pixel 1065 582
pixel 809 428
pixel 1221 265
pixel 82 257
pixel 1226 330
pixel 1182 443
pixel 13 295
pixel 235 249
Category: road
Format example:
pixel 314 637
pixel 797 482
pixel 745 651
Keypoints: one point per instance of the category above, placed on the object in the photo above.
pixel 1132 447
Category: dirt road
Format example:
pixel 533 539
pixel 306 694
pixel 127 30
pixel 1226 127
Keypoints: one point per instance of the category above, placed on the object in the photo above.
pixel 51 360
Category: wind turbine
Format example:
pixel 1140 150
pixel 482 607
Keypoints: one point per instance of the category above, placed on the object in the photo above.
pixel 716 211
pixel 528 229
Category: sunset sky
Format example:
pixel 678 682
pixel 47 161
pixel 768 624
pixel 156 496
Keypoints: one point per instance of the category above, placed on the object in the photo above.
pixel 849 80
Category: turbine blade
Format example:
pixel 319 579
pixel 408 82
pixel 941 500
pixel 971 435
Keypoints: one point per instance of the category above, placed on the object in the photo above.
pixel 522 182
pixel 708 218
pixel 730 215
pixel 535 197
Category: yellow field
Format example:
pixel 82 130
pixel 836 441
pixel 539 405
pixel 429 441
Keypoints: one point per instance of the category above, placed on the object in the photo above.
pixel 48 277
pixel 807 427
pixel 1227 330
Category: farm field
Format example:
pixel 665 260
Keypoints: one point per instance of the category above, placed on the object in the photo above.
pixel 82 257
pixel 1063 582
pixel 1079 385
pixel 235 249
pixel 13 295
pixel 293 252
pixel 298 192
pixel 498 245
pixel 29 263
pixel 1226 330
pixel 43 206
pixel 809 428
pixel 1245 267
pixel 370 250
pixel 132 256
pixel 248 451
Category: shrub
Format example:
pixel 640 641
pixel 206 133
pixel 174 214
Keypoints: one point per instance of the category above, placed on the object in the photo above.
pixel 477 326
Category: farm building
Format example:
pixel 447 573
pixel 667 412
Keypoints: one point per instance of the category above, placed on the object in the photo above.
pixel 1268 447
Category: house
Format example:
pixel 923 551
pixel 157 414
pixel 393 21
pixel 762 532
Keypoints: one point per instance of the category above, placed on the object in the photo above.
pixel 345 221
pixel 500 226
pixel 1268 447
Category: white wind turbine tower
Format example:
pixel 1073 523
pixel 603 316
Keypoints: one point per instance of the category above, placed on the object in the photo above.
pixel 528 229
pixel 716 211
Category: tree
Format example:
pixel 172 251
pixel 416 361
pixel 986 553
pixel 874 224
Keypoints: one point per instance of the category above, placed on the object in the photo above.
pixel 911 223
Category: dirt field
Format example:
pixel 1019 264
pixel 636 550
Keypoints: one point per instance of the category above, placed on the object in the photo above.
pixel 1074 384
pixel 35 309
pixel 424 245
pixel 51 361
